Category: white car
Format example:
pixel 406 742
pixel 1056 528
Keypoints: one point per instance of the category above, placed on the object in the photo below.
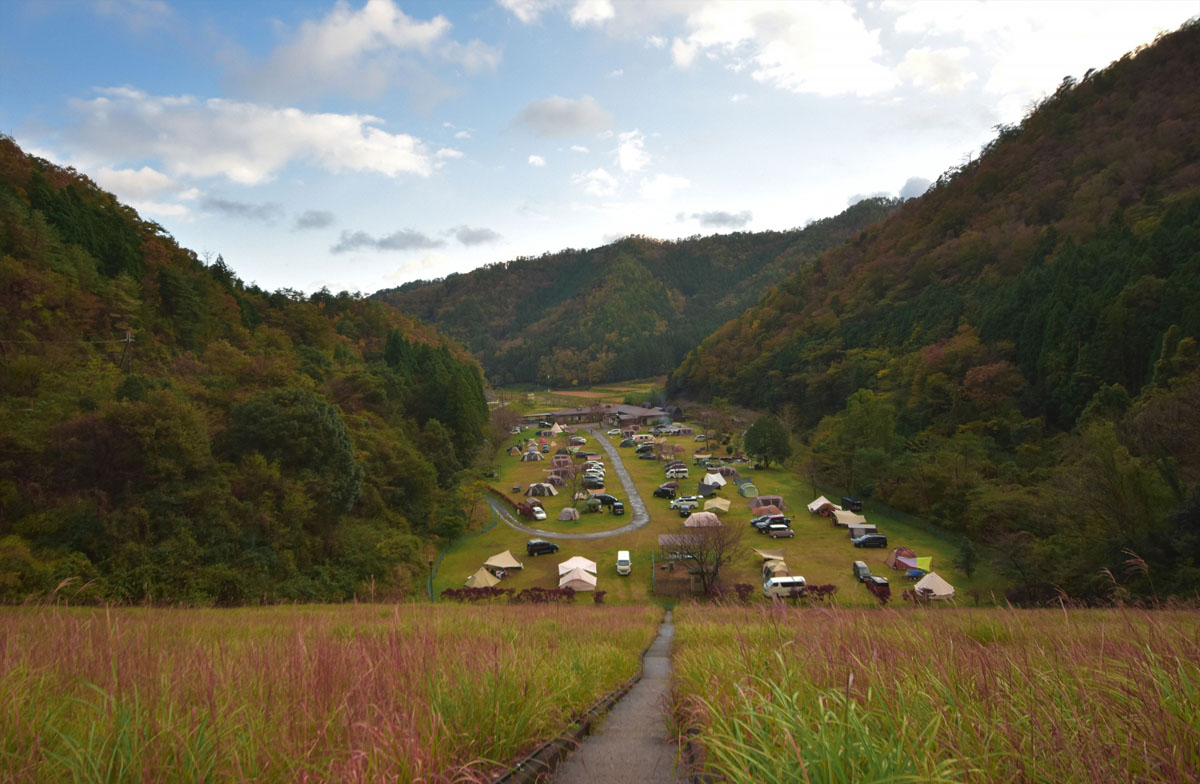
pixel 614 432
pixel 539 513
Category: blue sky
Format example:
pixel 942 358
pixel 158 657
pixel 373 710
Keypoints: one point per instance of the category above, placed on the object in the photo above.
pixel 358 145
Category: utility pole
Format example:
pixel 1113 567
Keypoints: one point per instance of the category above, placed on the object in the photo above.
pixel 126 356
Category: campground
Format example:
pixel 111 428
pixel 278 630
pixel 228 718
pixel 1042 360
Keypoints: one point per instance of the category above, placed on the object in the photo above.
pixel 819 551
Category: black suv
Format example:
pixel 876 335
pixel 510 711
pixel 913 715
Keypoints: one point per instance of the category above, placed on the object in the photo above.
pixel 664 492
pixel 605 499
pixel 870 540
pixel 540 547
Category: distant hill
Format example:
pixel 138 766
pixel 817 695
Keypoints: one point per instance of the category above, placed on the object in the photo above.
pixel 1004 354
pixel 241 446
pixel 626 310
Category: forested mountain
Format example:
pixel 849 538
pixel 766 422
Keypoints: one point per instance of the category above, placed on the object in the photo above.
pixel 1014 353
pixel 626 310
pixel 242 446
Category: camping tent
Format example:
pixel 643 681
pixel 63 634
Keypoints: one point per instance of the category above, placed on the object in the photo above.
pixel 823 506
pixel 707 490
pixel 769 509
pixel 482 579
pixel 931 586
pixel 720 504
pixel 924 563
pixel 727 471
pixel 845 517
pixel 504 560
pixel 556 429
pixel 774 568
pixel 748 490
pixel 555 480
pixel 702 520
pixel 578 579
pixel 514 451
pixel 897 553
pixel 861 530
pixel 714 479
pixel 576 562
pixel 770 555
pixel 763 500
pixel 569 513
pixel 591 505
pixel 531 456
pixel 541 489
pixel 561 461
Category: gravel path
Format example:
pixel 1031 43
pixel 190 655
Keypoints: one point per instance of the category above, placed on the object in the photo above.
pixel 638 516
pixel 632 746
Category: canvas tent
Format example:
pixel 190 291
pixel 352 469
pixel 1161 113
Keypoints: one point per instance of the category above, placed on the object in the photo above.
pixel 541 489
pixel 576 562
pixel 861 530
pixel 697 458
pixel 531 456
pixel 578 579
pixel 556 429
pixel 931 586
pixel 770 555
pixel 763 500
pixel 561 461
pixel 769 509
pixel 482 579
pixel 720 504
pixel 714 479
pixel 774 568
pixel 556 480
pixel 728 472
pixel 897 553
pixel 514 451
pixel 569 513
pixel 504 560
pixel 844 517
pixel 748 490
pixel 924 563
pixel 823 506
pixel 702 520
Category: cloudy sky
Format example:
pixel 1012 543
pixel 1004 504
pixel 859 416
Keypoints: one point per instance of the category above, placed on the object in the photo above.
pixel 361 144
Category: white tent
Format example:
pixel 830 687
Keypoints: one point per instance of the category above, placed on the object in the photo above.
pixel 844 517
pixel 569 513
pixel 578 579
pixel 815 506
pixel 482 579
pixel 713 479
pixel 556 429
pixel 577 562
pixel 720 504
pixel 504 560
pixel 931 586
pixel 702 520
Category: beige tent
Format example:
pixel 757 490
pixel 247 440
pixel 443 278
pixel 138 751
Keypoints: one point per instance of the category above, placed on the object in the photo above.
pixel 815 506
pixel 569 513
pixel 844 517
pixel 556 429
pixel 577 562
pixel 774 569
pixel 720 504
pixel 541 489
pixel 933 587
pixel 713 479
pixel 482 579
pixel 770 555
pixel 504 560
pixel 862 530
pixel 702 520
pixel 578 579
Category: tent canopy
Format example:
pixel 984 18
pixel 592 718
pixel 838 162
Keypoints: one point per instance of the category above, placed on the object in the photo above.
pixel 721 504
pixel 504 560
pixel 569 513
pixel 770 555
pixel 578 579
pixel 577 562
pixel 934 587
pixel 704 491
pixel 482 579
pixel 714 479
pixel 924 563
pixel 702 520
pixel 845 517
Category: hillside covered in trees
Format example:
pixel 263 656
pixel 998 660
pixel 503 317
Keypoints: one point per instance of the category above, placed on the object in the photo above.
pixel 1014 354
pixel 626 310
pixel 240 446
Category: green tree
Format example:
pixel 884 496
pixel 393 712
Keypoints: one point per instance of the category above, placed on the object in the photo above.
pixel 967 558
pixel 767 440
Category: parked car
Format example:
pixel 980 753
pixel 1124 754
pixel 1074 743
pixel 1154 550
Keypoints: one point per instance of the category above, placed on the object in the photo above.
pixel 592 483
pixel 540 547
pixel 777 531
pixel 606 499
pixel 647 456
pixel 664 492
pixel 677 473
pixel 643 448
pixel 761 523
pixel 672 485
pixel 539 513
pixel 878 586
pixel 783 587
pixel 700 437
pixel 618 508
pixel 684 499
pixel 616 431
pixel 686 510
pixel 624 562
pixel 870 540
pixel 851 504
pixel 861 571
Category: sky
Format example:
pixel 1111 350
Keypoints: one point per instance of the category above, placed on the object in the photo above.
pixel 361 144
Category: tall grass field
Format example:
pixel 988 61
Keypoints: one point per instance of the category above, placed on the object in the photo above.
pixel 313 694
pixel 781 695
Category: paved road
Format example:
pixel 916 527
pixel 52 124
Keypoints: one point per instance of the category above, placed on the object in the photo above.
pixel 632 746
pixel 638 516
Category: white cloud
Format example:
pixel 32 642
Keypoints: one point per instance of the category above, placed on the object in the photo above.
pixel 558 116
pixel 139 16
pixel 133 184
pixel 578 148
pixel 821 48
pixel 359 52
pixel 939 70
pixel 616 73
pixel 597 182
pixel 463 135
pixel 738 97
pixel 448 153
pixel 656 41
pixel 662 186
pixel 591 12
pixel 631 155
pixel 244 142
pixel 526 11
pixel 537 160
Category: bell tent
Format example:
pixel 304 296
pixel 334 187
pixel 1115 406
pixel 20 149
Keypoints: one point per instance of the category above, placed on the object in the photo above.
pixel 482 579
pixel 931 586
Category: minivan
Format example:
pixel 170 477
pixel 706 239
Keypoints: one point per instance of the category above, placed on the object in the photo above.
pixel 861 571
pixel 870 540
pixel 624 565
pixel 677 473
pixel 783 587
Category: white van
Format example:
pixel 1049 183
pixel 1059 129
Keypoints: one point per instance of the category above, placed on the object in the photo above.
pixel 642 438
pixel 783 587
pixel 624 565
